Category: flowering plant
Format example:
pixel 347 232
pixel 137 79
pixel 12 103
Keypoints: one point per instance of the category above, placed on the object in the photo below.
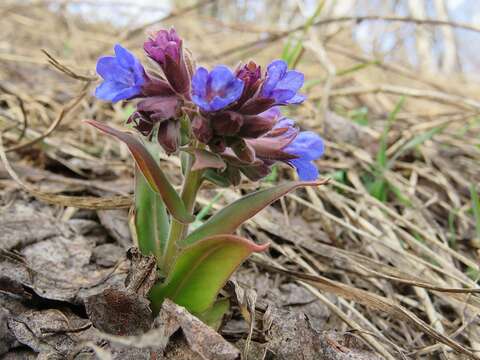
pixel 223 124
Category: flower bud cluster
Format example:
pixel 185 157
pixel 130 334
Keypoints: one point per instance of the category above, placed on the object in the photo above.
pixel 235 114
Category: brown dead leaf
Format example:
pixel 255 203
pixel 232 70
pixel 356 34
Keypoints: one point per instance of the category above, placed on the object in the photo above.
pixel 292 337
pixel 116 224
pixel 202 339
pixel 107 255
pixel 119 312
pixel 6 337
pixel 20 353
pixel 126 310
pixel 51 332
pixel 51 257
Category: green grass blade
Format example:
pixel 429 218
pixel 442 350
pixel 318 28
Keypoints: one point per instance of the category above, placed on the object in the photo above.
pixel 416 141
pixel 475 208
pixel 382 151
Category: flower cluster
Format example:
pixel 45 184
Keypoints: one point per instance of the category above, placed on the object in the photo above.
pixel 235 114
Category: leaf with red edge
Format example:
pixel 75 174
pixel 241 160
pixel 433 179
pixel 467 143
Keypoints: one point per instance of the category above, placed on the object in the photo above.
pixel 150 170
pixel 201 270
pixel 227 220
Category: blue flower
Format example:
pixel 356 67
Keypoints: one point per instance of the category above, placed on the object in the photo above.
pixel 215 90
pixel 307 146
pixel 123 76
pixel 282 84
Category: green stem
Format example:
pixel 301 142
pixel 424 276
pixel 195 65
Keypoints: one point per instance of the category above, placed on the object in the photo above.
pixel 193 181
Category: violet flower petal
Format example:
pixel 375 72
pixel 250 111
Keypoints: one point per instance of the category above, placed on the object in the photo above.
pixel 215 90
pixel 123 76
pixel 282 84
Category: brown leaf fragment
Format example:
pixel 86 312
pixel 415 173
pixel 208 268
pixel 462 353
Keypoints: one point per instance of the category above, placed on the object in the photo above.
pixel 13 287
pixel 6 337
pixel 202 339
pixel 51 257
pixel 20 353
pixel 179 349
pixel 116 224
pixel 107 255
pixel 291 337
pixel 125 310
pixel 142 274
pixel 60 268
pixel 18 230
pixel 119 312
pixel 344 346
pixel 51 332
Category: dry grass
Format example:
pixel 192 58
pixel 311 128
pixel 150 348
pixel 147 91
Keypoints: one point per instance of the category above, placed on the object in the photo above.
pixel 394 236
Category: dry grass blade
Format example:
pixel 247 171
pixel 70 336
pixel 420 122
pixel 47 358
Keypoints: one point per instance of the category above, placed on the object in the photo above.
pixel 373 301
pixel 441 97
pixel 64 112
pixel 81 202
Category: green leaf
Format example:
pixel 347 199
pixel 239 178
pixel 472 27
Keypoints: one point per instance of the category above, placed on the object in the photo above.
pixel 150 170
pixel 151 218
pixel 227 220
pixel 416 141
pixel 339 176
pixel 378 189
pixel 214 315
pixel 204 211
pixel 357 67
pixel 286 50
pixel 219 179
pixel 382 151
pixel 476 208
pixel 128 110
pixel 359 115
pixel 452 237
pixel 273 176
pixel 201 270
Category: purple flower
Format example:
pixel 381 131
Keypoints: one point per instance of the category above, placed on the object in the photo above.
pixel 307 147
pixel 215 90
pixel 255 126
pixel 165 48
pixel 123 76
pixel 286 144
pixel 164 43
pixel 282 84
pixel 250 74
pixel 269 147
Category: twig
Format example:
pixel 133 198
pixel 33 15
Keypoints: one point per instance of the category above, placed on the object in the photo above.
pixel 277 36
pixel 64 112
pixel 22 109
pixel 455 100
pixel 64 69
